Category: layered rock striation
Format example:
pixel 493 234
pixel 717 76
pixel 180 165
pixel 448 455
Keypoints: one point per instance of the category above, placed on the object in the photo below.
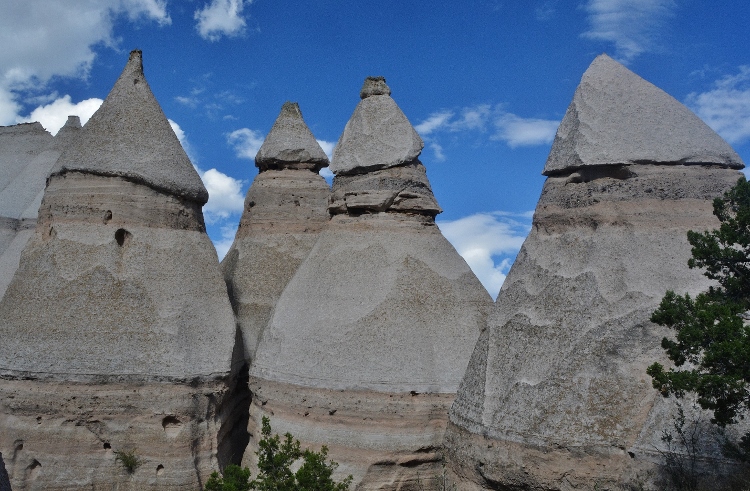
pixel 285 210
pixel 556 395
pixel 27 154
pixel 117 332
pixel 370 338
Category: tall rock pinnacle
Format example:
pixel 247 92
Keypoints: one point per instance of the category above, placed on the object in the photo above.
pixel 117 317
pixel 371 336
pixel 616 117
pixel 130 118
pixel 285 210
pixel 556 395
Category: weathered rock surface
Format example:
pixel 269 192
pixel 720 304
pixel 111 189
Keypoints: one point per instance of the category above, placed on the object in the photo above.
pixel 556 395
pixel 156 157
pixel 285 210
pixel 377 136
pixel 117 331
pixel 290 142
pixel 28 155
pixel 616 117
pixel 370 338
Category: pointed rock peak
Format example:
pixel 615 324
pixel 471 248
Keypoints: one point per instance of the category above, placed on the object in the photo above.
pixel 72 122
pixel 377 136
pixel 616 117
pixel 290 143
pixel 129 136
pixel 374 86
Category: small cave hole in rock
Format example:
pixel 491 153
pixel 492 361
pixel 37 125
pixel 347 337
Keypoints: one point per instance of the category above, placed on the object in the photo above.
pixel 171 425
pixel 19 446
pixel 107 446
pixel 122 236
pixel 38 420
pixel 107 216
pixel 34 469
pixel 159 470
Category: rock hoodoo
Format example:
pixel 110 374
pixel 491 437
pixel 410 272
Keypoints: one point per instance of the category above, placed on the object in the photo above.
pixel 285 210
pixel 27 154
pixel 117 334
pixel 556 395
pixel 370 338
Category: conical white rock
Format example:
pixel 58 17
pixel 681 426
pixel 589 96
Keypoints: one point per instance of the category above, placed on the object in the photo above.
pixel 290 142
pixel 117 332
pixel 285 210
pixel 616 117
pixel 556 395
pixel 371 336
pixel 131 118
pixel 377 136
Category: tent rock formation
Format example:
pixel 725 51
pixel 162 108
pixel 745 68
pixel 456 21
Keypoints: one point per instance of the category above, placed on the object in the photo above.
pixel 556 395
pixel 117 331
pixel 370 338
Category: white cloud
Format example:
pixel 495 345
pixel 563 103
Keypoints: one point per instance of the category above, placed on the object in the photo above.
pixel 726 107
pixel 221 18
pixel 514 130
pixel 56 39
pixel 433 122
pixel 54 115
pixel 520 132
pixel 632 25
pixel 225 197
pixel 327 147
pixel 326 173
pixel 246 142
pixel 488 242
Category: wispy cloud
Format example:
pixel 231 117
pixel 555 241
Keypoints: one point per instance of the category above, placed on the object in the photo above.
pixel 726 106
pixel 546 10
pixel 54 115
pixel 71 30
pixel 327 147
pixel 246 142
pixel 497 123
pixel 221 18
pixel 633 26
pixel 489 243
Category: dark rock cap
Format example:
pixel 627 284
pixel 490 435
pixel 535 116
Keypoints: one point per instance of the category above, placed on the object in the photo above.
pixel 616 117
pixel 290 141
pixel 129 136
pixel 377 136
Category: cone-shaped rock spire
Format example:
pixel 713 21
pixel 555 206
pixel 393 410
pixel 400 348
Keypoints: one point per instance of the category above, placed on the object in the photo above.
pixel 372 334
pixel 377 136
pixel 117 316
pixel 616 117
pixel 285 210
pixel 290 143
pixel 131 118
pixel 556 395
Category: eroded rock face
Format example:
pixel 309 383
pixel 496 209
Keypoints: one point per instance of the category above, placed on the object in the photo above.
pixel 377 136
pixel 369 339
pixel 285 210
pixel 117 331
pixel 27 155
pixel 617 118
pixel 556 395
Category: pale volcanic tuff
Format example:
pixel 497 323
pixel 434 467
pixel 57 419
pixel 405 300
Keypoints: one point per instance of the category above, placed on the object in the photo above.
pixel 117 333
pixel 370 338
pixel 556 395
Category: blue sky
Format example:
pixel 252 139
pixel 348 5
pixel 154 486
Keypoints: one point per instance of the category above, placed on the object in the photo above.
pixel 485 83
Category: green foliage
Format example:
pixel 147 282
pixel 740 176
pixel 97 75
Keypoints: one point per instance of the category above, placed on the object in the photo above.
pixel 276 457
pixel 128 459
pixel 235 478
pixel 711 349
